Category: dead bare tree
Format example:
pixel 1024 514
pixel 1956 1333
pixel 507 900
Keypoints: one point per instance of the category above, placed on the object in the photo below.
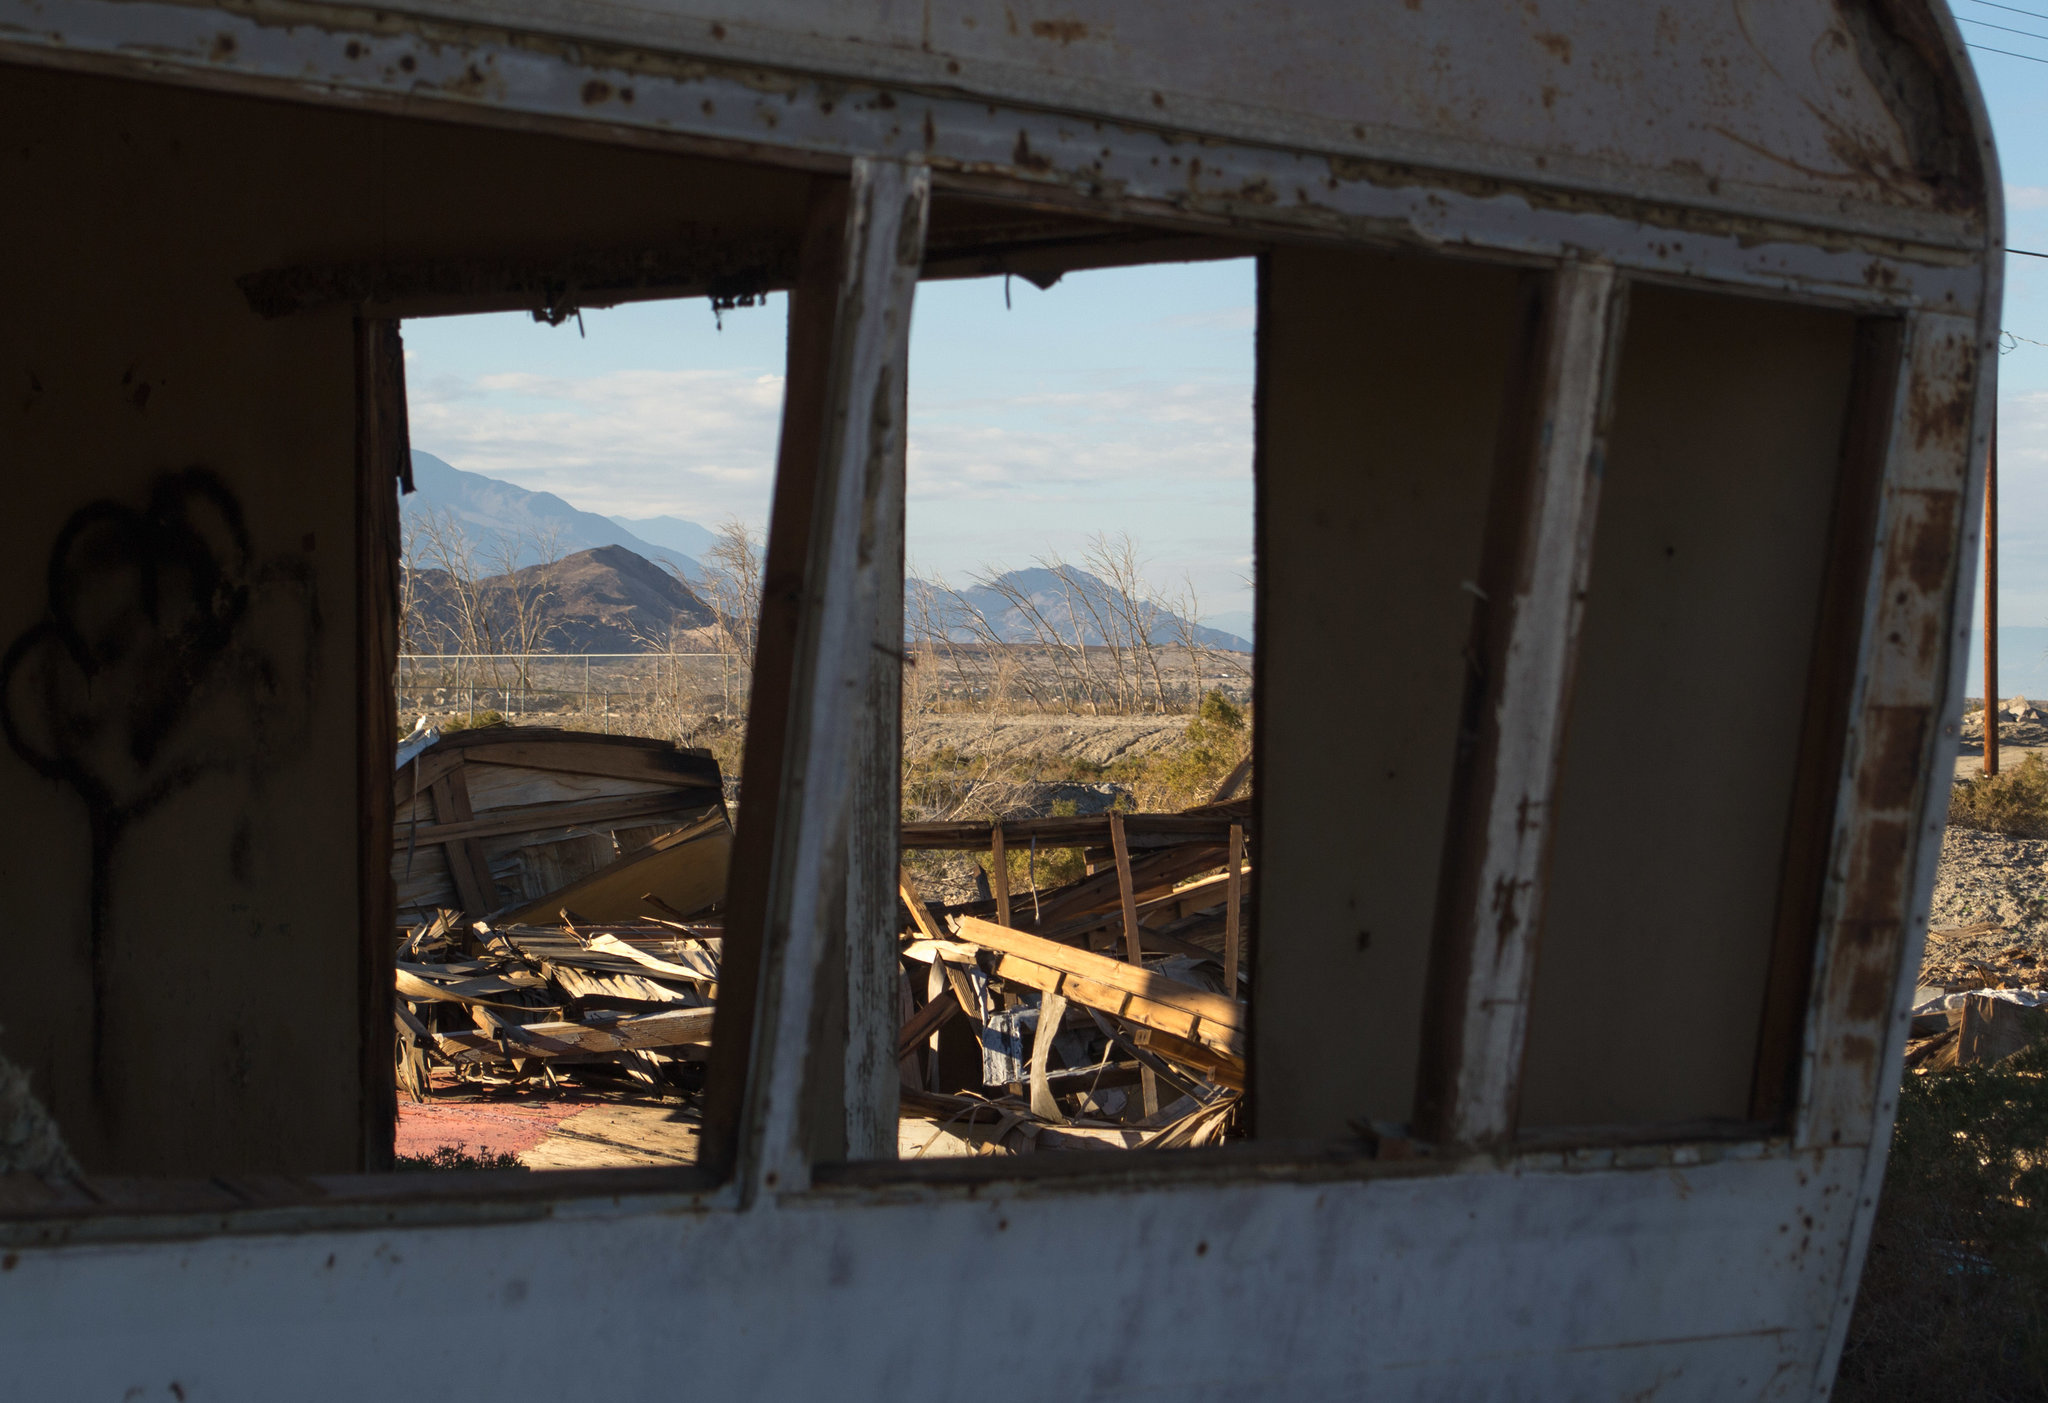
pixel 732 586
pixel 446 547
pixel 517 601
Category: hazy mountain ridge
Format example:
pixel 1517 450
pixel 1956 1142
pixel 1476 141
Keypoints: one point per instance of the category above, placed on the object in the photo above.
pixel 491 510
pixel 1075 604
pixel 613 594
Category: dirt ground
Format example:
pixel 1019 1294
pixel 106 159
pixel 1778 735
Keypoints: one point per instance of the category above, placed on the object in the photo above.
pixel 1099 740
pixel 1989 923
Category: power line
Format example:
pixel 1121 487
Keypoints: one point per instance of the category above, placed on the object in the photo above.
pixel 2028 252
pixel 2007 52
pixel 2013 9
pixel 2002 28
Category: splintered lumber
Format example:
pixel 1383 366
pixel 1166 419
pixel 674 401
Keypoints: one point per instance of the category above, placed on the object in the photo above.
pixel 1126 894
pixel 927 1021
pixel 919 912
pixel 1233 899
pixel 1134 949
pixel 1152 876
pixel 1141 831
pixel 1128 991
pixel 684 871
pixel 999 869
pixel 668 1028
pixel 486 991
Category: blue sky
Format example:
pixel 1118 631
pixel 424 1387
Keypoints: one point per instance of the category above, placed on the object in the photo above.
pixel 1116 401
pixel 2016 91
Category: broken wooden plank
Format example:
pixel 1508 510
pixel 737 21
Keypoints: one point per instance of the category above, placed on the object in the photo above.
pixel 540 818
pixel 919 912
pixel 1141 831
pixel 686 870
pixel 1232 901
pixel 1134 949
pixel 668 1028
pixel 927 1021
pixel 1115 974
pixel 1527 611
pixel 999 871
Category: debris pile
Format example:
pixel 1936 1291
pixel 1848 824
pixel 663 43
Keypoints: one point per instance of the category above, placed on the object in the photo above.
pixel 1105 1013
pixel 515 1003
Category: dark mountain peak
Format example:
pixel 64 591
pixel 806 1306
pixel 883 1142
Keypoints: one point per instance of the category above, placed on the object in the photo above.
pixel 603 600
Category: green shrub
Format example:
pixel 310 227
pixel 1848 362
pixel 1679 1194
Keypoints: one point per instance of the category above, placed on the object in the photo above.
pixel 2015 800
pixel 1954 1298
pixel 1190 773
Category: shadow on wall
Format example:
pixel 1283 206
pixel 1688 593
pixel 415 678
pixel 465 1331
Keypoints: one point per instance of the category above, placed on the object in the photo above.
pixel 168 650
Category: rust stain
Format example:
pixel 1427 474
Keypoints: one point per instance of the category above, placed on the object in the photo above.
pixel 1876 889
pixel 1870 990
pixel 1893 738
pixel 223 47
pixel 1940 408
pixel 1560 46
pixel 1026 158
pixel 1856 1050
pixel 1066 31
pixel 596 91
pixel 1923 547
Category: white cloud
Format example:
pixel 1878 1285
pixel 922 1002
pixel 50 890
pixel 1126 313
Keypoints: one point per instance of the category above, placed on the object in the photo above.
pixel 698 444
pixel 2026 197
pixel 994 480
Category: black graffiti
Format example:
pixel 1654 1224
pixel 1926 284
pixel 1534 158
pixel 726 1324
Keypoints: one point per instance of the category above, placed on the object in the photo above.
pixel 167 651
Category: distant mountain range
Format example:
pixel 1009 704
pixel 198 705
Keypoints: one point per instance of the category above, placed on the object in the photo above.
pixel 613 596
pixel 491 511
pixel 1073 604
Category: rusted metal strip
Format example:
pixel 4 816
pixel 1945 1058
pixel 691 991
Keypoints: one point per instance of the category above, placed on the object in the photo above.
pixel 1886 816
pixel 1525 643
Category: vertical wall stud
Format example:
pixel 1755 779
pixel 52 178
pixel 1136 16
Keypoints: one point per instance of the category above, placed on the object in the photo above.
pixel 834 568
pixel 1526 616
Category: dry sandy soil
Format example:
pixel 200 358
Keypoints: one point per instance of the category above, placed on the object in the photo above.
pixel 1099 740
pixel 1990 916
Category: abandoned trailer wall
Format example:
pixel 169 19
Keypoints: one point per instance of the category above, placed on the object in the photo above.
pixel 177 813
pixel 1685 723
pixel 1380 396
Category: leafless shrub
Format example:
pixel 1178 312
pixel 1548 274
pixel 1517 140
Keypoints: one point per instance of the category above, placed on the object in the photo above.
pixel 732 586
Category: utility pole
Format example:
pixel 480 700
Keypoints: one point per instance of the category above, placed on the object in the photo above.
pixel 1991 602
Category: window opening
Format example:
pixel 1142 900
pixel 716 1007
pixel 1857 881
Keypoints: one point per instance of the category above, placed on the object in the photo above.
pixel 1075 936
pixel 577 616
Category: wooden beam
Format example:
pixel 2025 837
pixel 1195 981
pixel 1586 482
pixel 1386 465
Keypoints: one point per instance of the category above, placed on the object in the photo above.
pixel 999 870
pixel 1120 975
pixel 1141 831
pixel 586 813
pixel 813 311
pixel 1232 901
pixel 669 1028
pixel 468 869
pixel 926 1022
pixel 1530 599
pixel 383 465
pixel 1134 948
pixel 828 547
